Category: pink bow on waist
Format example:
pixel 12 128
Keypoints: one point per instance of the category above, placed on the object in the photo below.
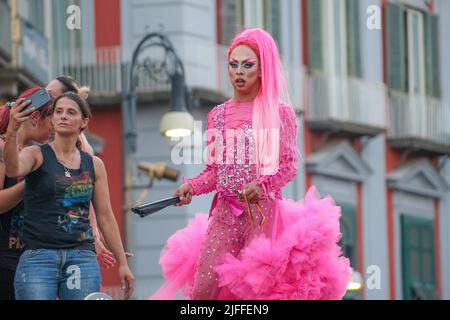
pixel 236 207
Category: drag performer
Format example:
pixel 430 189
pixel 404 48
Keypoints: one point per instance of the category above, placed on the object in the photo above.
pixel 254 244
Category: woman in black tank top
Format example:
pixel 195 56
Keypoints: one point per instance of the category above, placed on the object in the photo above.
pixel 36 128
pixel 61 183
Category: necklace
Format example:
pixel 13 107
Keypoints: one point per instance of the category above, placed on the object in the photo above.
pixel 66 169
pixel 66 172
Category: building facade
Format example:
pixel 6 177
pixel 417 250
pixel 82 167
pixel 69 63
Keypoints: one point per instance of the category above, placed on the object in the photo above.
pixel 370 83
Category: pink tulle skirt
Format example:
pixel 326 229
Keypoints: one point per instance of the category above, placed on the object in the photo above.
pixel 299 259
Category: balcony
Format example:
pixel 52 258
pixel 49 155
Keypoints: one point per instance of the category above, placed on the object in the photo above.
pixel 32 53
pixel 347 106
pixel 5 32
pixel 206 67
pixel 102 70
pixel 419 124
pixel 24 63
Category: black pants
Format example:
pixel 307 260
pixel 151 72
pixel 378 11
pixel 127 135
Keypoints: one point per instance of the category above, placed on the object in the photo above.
pixel 6 284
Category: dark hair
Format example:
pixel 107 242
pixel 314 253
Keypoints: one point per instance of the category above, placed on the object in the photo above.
pixel 71 85
pixel 44 111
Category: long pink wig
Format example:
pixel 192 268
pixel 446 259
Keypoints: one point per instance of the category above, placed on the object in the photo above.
pixel 266 117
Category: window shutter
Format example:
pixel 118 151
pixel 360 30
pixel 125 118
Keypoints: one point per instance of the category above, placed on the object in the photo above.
pixel 348 229
pixel 418 265
pixel 432 62
pixel 348 241
pixel 272 18
pixel 36 14
pixel 396 47
pixel 353 38
pixel 315 35
pixel 231 20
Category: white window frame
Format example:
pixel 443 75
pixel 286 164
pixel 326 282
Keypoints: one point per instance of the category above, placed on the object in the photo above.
pixel 417 99
pixel 329 40
pixel 338 89
pixel 410 13
pixel 253 13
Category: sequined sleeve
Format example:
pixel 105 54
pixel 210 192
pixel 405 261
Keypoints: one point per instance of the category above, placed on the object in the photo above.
pixel 205 182
pixel 288 153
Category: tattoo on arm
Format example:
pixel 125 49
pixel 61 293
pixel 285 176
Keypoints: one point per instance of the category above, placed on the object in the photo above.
pixel 1 155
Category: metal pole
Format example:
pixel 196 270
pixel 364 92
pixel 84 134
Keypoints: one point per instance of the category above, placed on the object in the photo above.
pixel 128 147
pixel 129 114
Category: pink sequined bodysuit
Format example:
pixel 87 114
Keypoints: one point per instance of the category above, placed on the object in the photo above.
pixel 228 170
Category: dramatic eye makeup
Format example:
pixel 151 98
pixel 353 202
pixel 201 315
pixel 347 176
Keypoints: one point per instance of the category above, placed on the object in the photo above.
pixel 247 63
pixel 233 63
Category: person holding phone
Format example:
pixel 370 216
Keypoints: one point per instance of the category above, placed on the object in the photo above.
pixel 59 258
pixel 36 127
pixel 11 193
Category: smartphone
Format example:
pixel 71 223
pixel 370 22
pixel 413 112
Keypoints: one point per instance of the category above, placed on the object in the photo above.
pixel 38 99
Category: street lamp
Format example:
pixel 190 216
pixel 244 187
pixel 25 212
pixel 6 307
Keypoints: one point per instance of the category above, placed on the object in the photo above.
pixel 355 282
pixel 176 123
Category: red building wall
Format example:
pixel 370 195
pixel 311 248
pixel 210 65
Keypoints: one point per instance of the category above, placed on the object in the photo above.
pixel 107 23
pixel 107 123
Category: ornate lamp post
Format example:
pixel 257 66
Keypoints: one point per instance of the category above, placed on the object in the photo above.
pixel 164 68
pixel 176 123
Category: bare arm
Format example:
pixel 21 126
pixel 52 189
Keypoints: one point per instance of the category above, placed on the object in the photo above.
pixel 18 164
pixel 108 225
pixel 9 197
pixel 104 213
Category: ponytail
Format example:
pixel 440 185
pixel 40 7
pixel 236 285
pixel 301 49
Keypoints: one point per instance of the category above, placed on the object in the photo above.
pixel 71 85
pixel 83 92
